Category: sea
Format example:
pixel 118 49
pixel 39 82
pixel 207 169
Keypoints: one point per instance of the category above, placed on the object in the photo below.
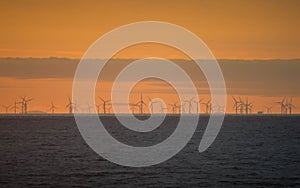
pixel 249 151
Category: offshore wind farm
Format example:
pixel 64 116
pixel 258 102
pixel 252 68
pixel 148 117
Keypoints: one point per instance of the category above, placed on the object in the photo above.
pixel 141 107
pixel 144 93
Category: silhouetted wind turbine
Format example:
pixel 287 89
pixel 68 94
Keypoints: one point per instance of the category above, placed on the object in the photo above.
pixel 52 107
pixel 174 106
pixel 189 102
pixel 6 108
pixel 179 107
pixel 269 109
pixel 141 103
pixel 109 108
pixel 220 108
pixel 151 104
pixel 24 104
pixel 207 106
pixel 162 108
pixel 236 105
pixel 89 107
pixel 15 107
pixel 104 104
pixel 197 104
pixel 98 108
pixel 132 107
pixel 76 108
pixel 290 105
pixel 282 105
pixel 70 105
pixel 248 106
pixel 242 105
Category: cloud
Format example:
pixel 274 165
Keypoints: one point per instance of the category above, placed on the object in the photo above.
pixel 246 77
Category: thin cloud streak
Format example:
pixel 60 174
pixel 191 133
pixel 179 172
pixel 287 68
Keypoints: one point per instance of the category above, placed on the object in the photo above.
pixel 246 77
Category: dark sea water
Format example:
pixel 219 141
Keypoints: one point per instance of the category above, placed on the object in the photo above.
pixel 250 151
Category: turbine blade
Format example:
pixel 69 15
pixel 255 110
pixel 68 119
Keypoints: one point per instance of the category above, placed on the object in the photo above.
pixel 234 99
pixel 101 99
pixel 29 99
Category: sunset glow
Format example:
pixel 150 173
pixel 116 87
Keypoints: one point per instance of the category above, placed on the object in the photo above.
pixel 33 31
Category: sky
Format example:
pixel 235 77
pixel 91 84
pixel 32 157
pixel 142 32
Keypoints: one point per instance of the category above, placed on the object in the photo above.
pixel 233 29
pixel 257 43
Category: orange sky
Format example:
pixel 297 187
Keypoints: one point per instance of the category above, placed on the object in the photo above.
pixel 232 29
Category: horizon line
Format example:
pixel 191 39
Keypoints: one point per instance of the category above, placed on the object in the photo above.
pixel 222 59
pixel 145 114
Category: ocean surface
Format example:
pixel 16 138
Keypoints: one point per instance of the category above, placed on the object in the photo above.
pixel 250 151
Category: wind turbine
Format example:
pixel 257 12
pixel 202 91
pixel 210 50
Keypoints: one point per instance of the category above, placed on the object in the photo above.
pixel 52 107
pixel 141 103
pixel 242 105
pixel 15 107
pixel 98 108
pixel 6 108
pixel 174 106
pixel 89 107
pixel 162 109
pixel 282 105
pixel 189 102
pixel 207 106
pixel 290 105
pixel 70 105
pixel 104 104
pixel 24 104
pixel 269 109
pixel 220 108
pixel 132 107
pixel 248 106
pixel 197 104
pixel 180 108
pixel 109 108
pixel 236 105
pixel 151 104
pixel 76 108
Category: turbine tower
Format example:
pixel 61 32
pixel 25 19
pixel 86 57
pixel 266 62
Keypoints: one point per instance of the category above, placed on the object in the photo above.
pixel 290 106
pixel 141 103
pixel 283 105
pixel 174 106
pixel 98 108
pixel 24 104
pixel 248 107
pixel 89 107
pixel 151 104
pixel 242 105
pixel 162 109
pixel 70 105
pixel 207 106
pixel 197 104
pixel 132 107
pixel 104 103
pixel 15 107
pixel 220 108
pixel 237 105
pixel 189 102
pixel 179 107
pixel 52 107
pixel 269 109
pixel 6 108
